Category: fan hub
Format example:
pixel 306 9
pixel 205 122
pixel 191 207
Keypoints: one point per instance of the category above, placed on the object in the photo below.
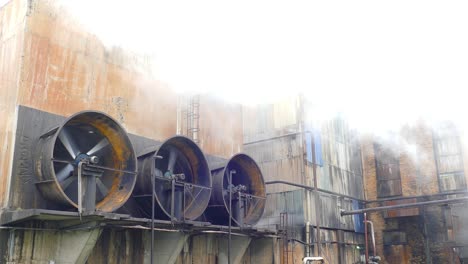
pixel 83 157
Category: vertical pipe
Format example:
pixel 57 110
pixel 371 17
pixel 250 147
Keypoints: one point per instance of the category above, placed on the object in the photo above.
pixel 80 189
pixel 427 250
pixel 365 237
pixel 304 176
pixel 230 215
pixel 317 199
pixel 372 236
pixel 172 199
pixel 152 218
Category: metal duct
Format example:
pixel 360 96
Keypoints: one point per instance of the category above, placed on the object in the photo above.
pixel 90 148
pixel 182 180
pixel 247 192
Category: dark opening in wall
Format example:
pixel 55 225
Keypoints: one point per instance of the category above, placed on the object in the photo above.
pixel 394 238
pixel 387 164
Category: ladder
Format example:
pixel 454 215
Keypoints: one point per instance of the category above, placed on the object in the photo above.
pixel 286 233
pixel 193 118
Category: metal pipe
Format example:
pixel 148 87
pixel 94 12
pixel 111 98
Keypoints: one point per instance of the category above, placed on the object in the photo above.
pixel 307 259
pixel 372 234
pixel 309 188
pixel 400 206
pixel 317 200
pixel 152 218
pixel 365 237
pixel 272 138
pixel 415 196
pixel 230 214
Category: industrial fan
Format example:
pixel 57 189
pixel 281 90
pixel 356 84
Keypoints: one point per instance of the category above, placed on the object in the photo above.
pixel 238 192
pixel 88 163
pixel 181 180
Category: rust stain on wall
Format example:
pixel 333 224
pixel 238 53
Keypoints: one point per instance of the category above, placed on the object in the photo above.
pixel 12 17
pixel 67 70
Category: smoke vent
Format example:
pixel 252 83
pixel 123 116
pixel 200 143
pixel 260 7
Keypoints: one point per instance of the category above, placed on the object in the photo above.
pixel 247 192
pixel 182 180
pixel 91 155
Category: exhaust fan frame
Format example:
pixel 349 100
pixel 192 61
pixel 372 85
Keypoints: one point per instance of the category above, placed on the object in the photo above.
pixel 182 180
pixel 87 163
pixel 248 192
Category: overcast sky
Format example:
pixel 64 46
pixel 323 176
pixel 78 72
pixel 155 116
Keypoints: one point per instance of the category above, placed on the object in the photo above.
pixel 384 61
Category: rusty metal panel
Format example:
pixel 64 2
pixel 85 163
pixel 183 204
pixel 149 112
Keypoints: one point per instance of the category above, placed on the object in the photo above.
pixel 31 125
pixel 279 159
pixel 401 212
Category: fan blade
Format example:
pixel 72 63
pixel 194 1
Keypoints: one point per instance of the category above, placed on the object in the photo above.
pixel 71 147
pixel 101 187
pixel 66 183
pixel 102 144
pixel 64 173
pixel 172 160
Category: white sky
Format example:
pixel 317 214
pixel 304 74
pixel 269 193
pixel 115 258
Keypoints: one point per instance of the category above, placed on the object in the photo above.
pixel 380 62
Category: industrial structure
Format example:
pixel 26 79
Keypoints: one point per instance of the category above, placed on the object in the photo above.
pixel 100 163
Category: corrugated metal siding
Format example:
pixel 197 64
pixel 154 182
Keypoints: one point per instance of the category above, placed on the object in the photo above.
pixel 270 120
pixel 285 113
pixel 291 202
pixel 342 165
pixel 331 207
pixel 449 158
pixel 279 159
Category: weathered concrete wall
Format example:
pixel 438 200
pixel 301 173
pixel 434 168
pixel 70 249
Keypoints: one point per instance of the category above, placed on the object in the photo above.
pixel 67 69
pixel 40 245
pixel 133 246
pixel 48 62
pixel 12 33
pixel 220 127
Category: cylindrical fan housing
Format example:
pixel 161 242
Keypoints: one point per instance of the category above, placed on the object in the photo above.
pixel 248 192
pixel 182 180
pixel 92 136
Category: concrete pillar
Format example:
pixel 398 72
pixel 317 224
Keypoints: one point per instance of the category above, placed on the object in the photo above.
pixel 46 246
pixel 75 247
pixel 167 246
pixel 239 245
pixel 265 250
